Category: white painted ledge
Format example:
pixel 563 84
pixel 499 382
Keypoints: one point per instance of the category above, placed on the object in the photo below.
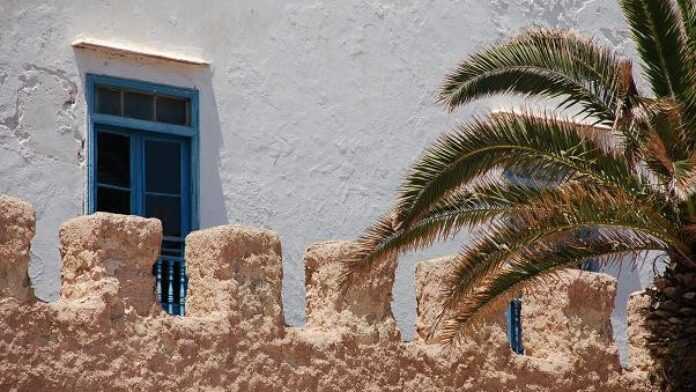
pixel 123 50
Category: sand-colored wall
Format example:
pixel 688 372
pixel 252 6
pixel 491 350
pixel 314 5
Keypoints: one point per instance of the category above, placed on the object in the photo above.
pixel 17 228
pixel 107 332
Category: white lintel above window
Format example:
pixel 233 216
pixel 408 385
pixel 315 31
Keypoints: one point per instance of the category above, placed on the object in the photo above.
pixel 130 51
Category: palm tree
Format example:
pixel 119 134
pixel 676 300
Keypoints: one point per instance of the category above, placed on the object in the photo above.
pixel 614 160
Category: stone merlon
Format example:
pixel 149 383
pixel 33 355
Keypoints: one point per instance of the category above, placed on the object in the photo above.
pixel 17 228
pixel 236 271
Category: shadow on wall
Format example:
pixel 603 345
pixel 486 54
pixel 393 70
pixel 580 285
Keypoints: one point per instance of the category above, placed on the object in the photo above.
pixel 212 210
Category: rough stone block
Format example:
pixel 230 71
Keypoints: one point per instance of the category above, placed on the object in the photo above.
pixel 17 228
pixel 236 272
pixel 565 316
pixel 110 255
pixel 363 309
pixel 638 352
pixel 429 277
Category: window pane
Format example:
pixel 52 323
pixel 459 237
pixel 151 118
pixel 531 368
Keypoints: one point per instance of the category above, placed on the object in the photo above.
pixel 113 159
pixel 172 110
pixel 113 200
pixel 108 101
pixel 138 105
pixel 168 210
pixel 163 167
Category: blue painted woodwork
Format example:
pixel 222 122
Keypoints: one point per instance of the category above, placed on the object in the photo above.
pixel 169 270
pixel 514 325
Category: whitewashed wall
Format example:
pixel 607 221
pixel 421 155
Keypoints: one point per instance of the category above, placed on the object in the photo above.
pixel 310 112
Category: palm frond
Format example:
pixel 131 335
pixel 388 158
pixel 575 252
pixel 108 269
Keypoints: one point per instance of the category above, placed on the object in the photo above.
pixel 463 208
pixel 537 264
pixel 688 15
pixel 666 139
pixel 544 145
pixel 556 214
pixel 664 144
pixel 657 30
pixel 687 9
pixel 545 63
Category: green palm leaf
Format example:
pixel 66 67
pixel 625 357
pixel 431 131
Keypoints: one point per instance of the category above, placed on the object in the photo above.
pixel 688 15
pixel 461 209
pixel 657 30
pixel 547 63
pixel 555 215
pixel 540 145
pixel 687 9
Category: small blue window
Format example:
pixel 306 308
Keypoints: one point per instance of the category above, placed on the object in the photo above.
pixel 143 160
pixel 513 316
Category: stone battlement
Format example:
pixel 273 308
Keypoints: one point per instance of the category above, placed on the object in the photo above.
pixel 107 331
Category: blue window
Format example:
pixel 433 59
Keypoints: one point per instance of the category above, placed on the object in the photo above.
pixel 513 316
pixel 143 160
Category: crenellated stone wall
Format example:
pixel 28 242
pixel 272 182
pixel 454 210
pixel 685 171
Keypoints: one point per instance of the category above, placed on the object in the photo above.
pixel 108 256
pixel 107 332
pixel 233 273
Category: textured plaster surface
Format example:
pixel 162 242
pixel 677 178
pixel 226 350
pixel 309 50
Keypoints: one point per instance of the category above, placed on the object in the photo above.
pixel 109 257
pixel 364 310
pixel 107 333
pixel 310 113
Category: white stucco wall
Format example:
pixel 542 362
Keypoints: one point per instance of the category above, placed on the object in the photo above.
pixel 310 112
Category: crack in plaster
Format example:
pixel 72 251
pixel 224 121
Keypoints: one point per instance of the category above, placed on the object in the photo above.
pixel 69 104
pixel 65 118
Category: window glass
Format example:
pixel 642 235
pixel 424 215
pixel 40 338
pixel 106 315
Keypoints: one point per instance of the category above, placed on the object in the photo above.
pixel 108 101
pixel 143 106
pixel 113 159
pixel 168 210
pixel 137 105
pixel 162 167
pixel 113 200
pixel 172 110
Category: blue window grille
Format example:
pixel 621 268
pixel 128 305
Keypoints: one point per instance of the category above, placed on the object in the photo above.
pixel 143 160
pixel 171 283
pixel 514 326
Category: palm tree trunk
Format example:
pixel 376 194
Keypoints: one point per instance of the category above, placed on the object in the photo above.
pixel 672 326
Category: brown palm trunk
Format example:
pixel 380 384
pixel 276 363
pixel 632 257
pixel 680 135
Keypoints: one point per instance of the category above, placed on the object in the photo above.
pixel 672 326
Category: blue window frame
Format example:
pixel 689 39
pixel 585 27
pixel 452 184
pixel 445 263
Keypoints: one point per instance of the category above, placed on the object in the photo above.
pixel 513 316
pixel 143 160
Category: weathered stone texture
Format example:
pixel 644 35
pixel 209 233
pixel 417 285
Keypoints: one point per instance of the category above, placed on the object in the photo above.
pixel 638 333
pixel 17 228
pixel 428 297
pixel 234 271
pixel 364 310
pixel 108 334
pixel 110 255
